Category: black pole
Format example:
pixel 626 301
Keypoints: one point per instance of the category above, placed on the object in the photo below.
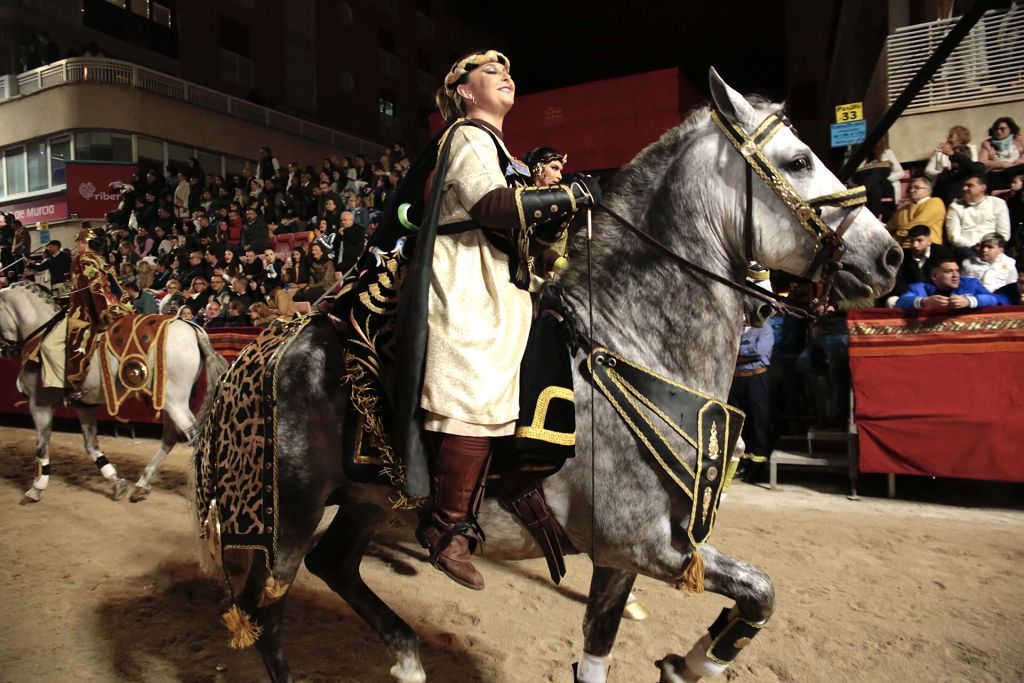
pixel 928 69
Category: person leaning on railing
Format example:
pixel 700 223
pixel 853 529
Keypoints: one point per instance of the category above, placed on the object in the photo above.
pixel 1002 153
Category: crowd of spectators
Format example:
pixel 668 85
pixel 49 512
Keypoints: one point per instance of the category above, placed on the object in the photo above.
pixel 238 249
pixel 969 200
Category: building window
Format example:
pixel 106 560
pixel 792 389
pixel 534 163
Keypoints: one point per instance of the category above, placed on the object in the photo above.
pixel 60 151
pixel 103 146
pixel 210 162
pixel 118 3
pixel 150 154
pixel 162 15
pixel 177 157
pixel 233 36
pixel 387 41
pixel 423 61
pixel 14 160
pixel 140 7
pixel 234 166
pixel 38 166
pixel 387 105
pixel 235 68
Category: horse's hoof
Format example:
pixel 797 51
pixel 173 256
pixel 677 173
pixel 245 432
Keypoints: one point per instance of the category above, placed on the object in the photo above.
pixel 119 489
pixel 139 494
pixel 33 495
pixel 674 670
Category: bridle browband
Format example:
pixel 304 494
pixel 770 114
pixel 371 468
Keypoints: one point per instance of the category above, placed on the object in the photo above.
pixel 829 244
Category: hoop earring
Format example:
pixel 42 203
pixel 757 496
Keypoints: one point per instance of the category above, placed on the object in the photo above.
pixel 472 100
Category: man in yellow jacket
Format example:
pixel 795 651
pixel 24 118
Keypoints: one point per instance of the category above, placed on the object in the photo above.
pixel 924 209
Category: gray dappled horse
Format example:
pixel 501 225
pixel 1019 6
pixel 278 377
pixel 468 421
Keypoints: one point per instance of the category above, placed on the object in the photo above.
pixel 688 190
pixel 25 307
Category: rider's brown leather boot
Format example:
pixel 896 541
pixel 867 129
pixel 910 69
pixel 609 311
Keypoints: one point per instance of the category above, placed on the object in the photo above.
pixel 456 482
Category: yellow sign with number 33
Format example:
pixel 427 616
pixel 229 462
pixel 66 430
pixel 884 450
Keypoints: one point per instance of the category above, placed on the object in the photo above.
pixel 854 111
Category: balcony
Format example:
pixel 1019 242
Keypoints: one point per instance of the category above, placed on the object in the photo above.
pixel 115 72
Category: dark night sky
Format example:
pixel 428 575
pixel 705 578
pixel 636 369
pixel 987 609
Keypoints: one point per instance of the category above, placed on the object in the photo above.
pixel 555 44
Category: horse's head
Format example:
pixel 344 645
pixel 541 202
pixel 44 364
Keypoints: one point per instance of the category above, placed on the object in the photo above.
pixel 779 237
pixel 23 308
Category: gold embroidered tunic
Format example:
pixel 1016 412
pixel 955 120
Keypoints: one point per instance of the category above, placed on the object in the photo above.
pixel 478 321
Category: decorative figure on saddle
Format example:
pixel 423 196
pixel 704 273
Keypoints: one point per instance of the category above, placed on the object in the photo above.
pixel 93 305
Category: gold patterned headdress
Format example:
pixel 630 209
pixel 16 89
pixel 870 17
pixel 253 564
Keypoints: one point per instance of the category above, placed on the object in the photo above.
pixel 86 235
pixel 449 102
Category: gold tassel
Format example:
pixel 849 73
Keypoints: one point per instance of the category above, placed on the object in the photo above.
pixel 244 632
pixel 692 579
pixel 273 590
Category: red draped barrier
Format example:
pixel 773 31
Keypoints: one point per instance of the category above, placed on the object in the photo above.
pixel 227 341
pixel 939 393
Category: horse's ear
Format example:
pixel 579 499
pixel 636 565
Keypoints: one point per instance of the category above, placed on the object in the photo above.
pixel 729 102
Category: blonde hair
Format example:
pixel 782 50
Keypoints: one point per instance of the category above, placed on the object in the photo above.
pixel 449 101
pixel 961 132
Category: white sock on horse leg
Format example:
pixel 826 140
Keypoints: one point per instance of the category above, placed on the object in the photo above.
pixel 698 662
pixel 592 669
pixel 42 479
pixel 107 471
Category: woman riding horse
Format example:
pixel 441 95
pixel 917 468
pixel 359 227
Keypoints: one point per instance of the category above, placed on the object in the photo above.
pixel 478 306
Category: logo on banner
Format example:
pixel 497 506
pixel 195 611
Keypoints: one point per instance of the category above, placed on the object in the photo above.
pixel 87 190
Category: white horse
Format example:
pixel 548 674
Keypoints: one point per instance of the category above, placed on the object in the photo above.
pixel 25 307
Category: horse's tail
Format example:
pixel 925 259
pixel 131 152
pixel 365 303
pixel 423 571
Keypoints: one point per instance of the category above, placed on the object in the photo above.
pixel 216 365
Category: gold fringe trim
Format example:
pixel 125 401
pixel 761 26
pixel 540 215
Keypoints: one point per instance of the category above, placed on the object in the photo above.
pixel 692 579
pixel 244 633
pixel 273 590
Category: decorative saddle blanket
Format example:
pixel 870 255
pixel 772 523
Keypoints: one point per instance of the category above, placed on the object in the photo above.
pixel 644 400
pixel 235 463
pixel 127 344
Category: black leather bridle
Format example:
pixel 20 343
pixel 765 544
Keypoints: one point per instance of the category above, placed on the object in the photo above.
pixel 829 245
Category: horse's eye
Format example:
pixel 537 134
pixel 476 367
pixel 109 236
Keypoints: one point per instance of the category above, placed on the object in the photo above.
pixel 799 164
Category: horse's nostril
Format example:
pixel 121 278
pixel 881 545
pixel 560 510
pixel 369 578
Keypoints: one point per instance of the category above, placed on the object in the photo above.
pixel 893 258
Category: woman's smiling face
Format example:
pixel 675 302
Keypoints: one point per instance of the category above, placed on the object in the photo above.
pixel 491 86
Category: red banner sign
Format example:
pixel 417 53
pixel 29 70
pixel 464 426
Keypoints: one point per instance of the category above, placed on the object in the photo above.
pixel 43 209
pixel 89 193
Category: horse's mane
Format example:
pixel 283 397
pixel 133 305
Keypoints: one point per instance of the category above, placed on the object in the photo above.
pixel 38 291
pixel 633 187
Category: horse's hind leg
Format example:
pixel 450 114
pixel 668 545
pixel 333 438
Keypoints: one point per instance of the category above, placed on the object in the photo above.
pixel 119 487
pixel 609 592
pixel 735 627
pixel 336 560
pixel 42 418
pixel 168 439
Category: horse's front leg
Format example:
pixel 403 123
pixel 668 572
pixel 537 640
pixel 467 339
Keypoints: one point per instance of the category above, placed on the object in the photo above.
pixel 735 627
pixel 609 592
pixel 119 487
pixel 42 418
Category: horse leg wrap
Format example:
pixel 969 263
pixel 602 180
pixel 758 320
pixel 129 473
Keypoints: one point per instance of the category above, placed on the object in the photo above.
pixel 592 669
pixel 42 479
pixel 713 653
pixel 107 471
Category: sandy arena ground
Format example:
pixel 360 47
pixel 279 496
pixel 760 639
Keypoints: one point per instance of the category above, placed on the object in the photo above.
pixel 875 590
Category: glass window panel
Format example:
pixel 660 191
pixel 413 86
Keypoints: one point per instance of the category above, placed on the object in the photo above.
pixel 161 15
pixel 140 7
pixel 38 169
pixel 234 165
pixel 15 163
pixel 178 156
pixel 101 145
pixel 60 151
pixel 150 154
pixel 210 162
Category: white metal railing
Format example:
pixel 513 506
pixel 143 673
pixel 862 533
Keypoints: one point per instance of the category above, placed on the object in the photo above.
pixel 987 64
pixel 112 71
